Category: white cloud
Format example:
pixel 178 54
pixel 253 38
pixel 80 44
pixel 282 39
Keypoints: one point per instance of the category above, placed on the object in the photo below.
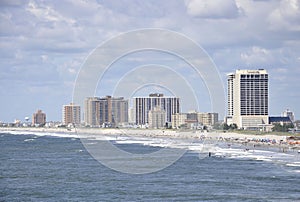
pixel 257 55
pixel 212 8
pixel 44 12
pixel 286 15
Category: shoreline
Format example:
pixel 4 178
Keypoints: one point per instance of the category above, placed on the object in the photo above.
pixel 268 140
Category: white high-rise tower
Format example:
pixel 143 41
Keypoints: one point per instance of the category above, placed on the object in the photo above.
pixel 248 98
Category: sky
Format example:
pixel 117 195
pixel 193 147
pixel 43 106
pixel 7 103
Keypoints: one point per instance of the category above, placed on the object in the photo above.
pixel 44 44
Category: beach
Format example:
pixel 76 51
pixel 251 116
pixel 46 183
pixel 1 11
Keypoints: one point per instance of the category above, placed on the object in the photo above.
pixel 234 137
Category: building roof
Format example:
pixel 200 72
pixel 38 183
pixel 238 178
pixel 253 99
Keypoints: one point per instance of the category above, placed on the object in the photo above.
pixel 276 119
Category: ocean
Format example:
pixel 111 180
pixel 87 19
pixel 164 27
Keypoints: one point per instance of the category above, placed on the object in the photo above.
pixel 57 167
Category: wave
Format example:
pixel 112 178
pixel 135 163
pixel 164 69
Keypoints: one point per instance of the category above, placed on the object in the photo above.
pixel 40 134
pixel 215 149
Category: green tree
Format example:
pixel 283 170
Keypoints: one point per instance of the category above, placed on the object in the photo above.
pixel 233 126
pixel 225 126
pixel 282 128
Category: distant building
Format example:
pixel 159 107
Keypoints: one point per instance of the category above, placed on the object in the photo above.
pixel 280 120
pixel 297 124
pixel 39 118
pixel 92 111
pixel 142 106
pixel 157 118
pixel 106 110
pixel 178 120
pixel 207 119
pixel 131 116
pixel 119 110
pixel 290 114
pixel 71 114
pixel 195 118
pixel 248 98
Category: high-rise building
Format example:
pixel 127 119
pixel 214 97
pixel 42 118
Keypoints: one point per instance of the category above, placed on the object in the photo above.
pixel 92 111
pixel 290 114
pixel 142 106
pixel 248 98
pixel 110 110
pixel 39 118
pixel 71 114
pixel 119 110
pixel 157 118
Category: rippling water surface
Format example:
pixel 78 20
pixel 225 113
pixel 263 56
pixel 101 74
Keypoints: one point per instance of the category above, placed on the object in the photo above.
pixel 47 168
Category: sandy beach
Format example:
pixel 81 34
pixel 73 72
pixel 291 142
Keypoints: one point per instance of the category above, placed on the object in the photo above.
pixel 266 139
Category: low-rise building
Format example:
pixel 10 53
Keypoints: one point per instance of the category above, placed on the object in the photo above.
pixel 193 119
pixel 280 120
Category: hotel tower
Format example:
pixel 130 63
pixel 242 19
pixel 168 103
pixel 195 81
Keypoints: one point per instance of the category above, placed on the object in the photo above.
pixel 143 105
pixel 71 114
pixel 248 98
pixel 105 110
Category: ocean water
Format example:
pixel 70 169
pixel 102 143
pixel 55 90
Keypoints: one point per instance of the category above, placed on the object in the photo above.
pixel 56 167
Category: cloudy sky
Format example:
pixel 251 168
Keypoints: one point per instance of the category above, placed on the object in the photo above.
pixel 45 43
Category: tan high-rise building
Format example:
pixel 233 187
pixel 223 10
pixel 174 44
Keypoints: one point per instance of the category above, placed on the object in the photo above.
pixel 157 118
pixel 106 110
pixel 39 118
pixel 248 98
pixel 71 114
pixel 92 111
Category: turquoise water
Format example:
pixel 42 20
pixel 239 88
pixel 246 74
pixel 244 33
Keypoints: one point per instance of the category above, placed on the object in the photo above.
pixel 46 168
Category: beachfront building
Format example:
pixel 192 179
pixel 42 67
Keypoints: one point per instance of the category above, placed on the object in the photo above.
pixel 142 106
pixel 106 111
pixel 290 114
pixel 207 119
pixel 157 118
pixel 178 120
pixel 39 118
pixel 248 98
pixel 71 114
pixel 194 119
pixel 280 120
pixel 92 111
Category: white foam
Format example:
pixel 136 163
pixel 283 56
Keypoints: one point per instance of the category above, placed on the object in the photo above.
pixel 293 164
pixel 29 140
pixel 287 159
pixel 52 134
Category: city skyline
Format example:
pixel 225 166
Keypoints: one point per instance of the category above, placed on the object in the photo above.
pixel 67 114
pixel 43 46
pixel 111 111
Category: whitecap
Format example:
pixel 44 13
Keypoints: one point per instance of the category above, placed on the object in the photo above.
pixel 293 165
pixel 29 140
